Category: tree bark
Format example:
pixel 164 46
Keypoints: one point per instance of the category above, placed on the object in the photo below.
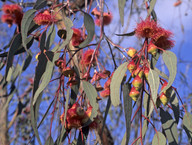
pixel 4 139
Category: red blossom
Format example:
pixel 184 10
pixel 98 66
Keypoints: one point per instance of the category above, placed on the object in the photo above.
pixel 44 18
pixel 146 28
pixel 107 17
pixel 77 37
pixel 7 19
pixel 105 93
pixel 86 59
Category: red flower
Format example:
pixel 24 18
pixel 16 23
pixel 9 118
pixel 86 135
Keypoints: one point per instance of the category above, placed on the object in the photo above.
pixel 86 59
pixel 105 93
pixel 162 39
pixel 44 18
pixel 146 28
pixel 107 17
pixel 13 14
pixel 77 37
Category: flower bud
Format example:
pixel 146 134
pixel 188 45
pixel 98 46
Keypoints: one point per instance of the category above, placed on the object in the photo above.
pixel 134 94
pixel 137 82
pixel 139 72
pixel 146 72
pixel 164 99
pixel 131 52
pixel 152 49
pixel 105 93
pixel 131 66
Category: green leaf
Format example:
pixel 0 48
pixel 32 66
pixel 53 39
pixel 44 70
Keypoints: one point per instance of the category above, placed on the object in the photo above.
pixel 90 27
pixel 159 139
pixel 26 62
pixel 121 5
pixel 169 127
pixel 127 101
pixel 25 24
pixel 42 41
pixel 152 5
pixel 187 125
pixel 91 94
pixel 50 36
pixel 33 113
pixel 17 41
pixel 154 60
pixel 63 130
pixel 46 77
pixel 153 79
pixel 116 83
pixel 175 105
pixel 170 60
pixel 49 141
pixel 40 4
pixel 127 34
pixel 161 73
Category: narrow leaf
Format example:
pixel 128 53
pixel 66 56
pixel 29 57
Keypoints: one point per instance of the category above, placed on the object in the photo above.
pixel 152 5
pixel 154 60
pixel 40 4
pixel 91 94
pixel 170 60
pixel 25 24
pixel 42 41
pixel 116 83
pixel 121 5
pixel 127 34
pixel 50 36
pixel 187 125
pixel 153 79
pixel 90 27
pixel 127 101
pixel 169 127
pixel 159 139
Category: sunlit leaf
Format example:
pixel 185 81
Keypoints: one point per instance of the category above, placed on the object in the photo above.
pixel 91 94
pixel 116 83
pixel 153 79
pixel 159 139
pixel 90 27
pixel 50 36
pixel 127 101
pixel 25 24
pixel 121 5
pixel 169 127
pixel 161 73
pixel 187 125
pixel 170 60
pixel 152 5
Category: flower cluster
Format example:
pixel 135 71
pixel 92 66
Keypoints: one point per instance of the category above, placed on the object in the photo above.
pixel 159 37
pixel 107 17
pixel 76 117
pixel 77 37
pixel 86 58
pixel 44 18
pixel 13 14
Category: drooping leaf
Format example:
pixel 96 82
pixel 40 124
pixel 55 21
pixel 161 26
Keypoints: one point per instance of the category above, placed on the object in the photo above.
pixel 116 83
pixel 161 73
pixel 50 36
pixel 127 101
pixel 90 27
pixel 17 41
pixel 169 127
pixel 40 4
pixel 153 79
pixel 25 24
pixel 159 139
pixel 34 113
pixel 151 7
pixel 91 94
pixel 175 105
pixel 121 5
pixel 187 125
pixel 127 34
pixel 170 60
pixel 42 41
pixel 154 60
pixel 46 77
pixel 49 141
pixel 26 62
